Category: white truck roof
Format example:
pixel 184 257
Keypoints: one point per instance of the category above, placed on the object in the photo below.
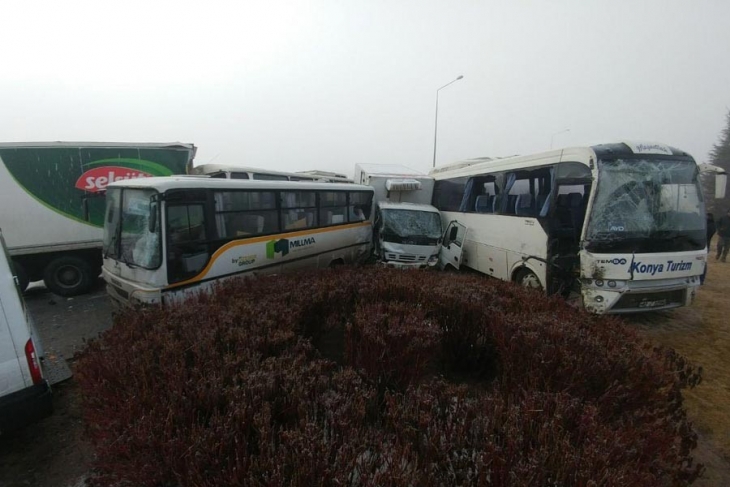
pixel 388 170
pixel 386 205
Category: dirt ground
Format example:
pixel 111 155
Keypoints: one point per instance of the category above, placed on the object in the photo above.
pixel 53 452
pixel 701 333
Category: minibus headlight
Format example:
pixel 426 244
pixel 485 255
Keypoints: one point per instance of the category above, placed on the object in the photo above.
pixel 433 259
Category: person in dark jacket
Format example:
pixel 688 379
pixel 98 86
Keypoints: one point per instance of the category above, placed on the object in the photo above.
pixel 710 228
pixel 723 236
pixel 710 234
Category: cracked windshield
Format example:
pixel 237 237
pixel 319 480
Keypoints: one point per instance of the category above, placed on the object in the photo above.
pixel 653 204
pixel 409 223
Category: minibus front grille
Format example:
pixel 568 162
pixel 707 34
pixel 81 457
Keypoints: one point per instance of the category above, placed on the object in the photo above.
pixel 404 257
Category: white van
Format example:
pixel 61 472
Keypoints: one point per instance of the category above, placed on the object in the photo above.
pixel 25 395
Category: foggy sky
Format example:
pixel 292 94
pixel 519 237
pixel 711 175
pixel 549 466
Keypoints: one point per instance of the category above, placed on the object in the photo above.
pixel 325 85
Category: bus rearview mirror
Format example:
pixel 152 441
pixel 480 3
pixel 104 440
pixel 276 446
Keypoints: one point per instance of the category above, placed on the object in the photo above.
pixel 153 218
pixel 720 185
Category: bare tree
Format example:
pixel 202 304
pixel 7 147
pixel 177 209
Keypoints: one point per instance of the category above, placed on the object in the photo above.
pixel 719 156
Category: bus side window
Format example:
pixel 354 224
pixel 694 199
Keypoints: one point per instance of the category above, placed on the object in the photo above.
pixel 332 207
pixel 245 213
pixel 519 199
pixel 298 210
pixel 360 206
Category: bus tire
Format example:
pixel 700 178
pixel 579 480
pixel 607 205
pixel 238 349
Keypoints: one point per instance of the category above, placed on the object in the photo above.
pixel 526 278
pixel 336 263
pixel 68 276
pixel 21 275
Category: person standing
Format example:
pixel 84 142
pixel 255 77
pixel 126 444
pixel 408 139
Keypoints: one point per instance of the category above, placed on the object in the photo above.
pixel 710 234
pixel 723 236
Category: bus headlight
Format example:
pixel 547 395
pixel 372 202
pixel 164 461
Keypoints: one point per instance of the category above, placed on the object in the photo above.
pixel 599 282
pixel 611 283
pixel 598 299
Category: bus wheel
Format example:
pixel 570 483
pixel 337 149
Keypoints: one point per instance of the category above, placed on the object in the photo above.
pixel 527 278
pixel 68 276
pixel 22 276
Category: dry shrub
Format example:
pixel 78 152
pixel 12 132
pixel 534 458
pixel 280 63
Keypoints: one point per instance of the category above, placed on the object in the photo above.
pixel 365 376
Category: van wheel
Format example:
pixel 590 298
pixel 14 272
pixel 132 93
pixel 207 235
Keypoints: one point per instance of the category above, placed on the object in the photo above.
pixel 527 278
pixel 68 276
pixel 22 276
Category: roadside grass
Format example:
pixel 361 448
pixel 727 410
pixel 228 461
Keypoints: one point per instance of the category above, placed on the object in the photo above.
pixel 701 333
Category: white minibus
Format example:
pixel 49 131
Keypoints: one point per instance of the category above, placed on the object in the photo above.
pixel 622 224
pixel 167 237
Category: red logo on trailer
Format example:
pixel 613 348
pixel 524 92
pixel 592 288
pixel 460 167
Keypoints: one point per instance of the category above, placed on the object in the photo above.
pixel 95 180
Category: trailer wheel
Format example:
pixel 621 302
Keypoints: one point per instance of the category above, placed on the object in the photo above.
pixel 22 276
pixel 527 278
pixel 68 276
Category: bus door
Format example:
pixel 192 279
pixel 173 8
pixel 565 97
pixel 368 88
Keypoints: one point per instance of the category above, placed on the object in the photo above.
pixel 566 227
pixel 186 234
pixel 453 246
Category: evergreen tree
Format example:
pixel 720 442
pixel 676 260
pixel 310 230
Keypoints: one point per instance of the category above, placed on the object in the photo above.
pixel 719 156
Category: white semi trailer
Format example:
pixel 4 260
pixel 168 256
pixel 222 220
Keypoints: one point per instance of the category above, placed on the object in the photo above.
pixel 52 200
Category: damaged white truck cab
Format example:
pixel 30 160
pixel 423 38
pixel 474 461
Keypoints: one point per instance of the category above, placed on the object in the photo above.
pixel 407 234
pixel 622 224
pixel 407 230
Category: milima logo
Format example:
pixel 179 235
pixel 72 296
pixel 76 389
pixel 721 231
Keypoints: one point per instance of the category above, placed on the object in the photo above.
pixel 273 247
pixel 284 245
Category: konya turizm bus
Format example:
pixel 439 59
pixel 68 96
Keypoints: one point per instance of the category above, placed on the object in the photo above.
pixel 165 238
pixel 622 224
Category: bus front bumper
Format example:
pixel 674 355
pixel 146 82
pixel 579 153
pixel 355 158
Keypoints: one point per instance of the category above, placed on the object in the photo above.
pixel 640 296
pixel 125 294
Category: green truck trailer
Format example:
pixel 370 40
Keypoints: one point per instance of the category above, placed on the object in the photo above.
pixel 52 200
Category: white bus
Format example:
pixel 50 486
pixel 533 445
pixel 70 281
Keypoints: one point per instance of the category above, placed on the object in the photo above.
pixel 622 223
pixel 167 237
pixel 237 172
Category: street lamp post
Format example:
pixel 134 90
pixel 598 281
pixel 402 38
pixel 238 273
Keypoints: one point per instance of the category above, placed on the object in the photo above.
pixel 557 133
pixel 436 123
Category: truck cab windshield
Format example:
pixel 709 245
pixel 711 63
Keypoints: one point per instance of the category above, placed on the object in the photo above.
pixel 402 224
pixel 647 205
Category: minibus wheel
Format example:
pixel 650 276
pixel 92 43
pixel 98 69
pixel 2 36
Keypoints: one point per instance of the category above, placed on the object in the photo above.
pixel 527 278
pixel 68 276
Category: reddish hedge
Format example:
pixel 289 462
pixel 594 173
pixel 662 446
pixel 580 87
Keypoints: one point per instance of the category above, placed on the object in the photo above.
pixel 364 376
